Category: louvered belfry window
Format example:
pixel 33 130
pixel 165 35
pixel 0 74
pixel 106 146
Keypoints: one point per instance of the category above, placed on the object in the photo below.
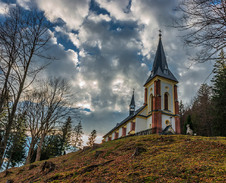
pixel 166 101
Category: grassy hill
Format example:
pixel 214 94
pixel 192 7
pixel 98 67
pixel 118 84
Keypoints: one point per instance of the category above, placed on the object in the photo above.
pixel 151 158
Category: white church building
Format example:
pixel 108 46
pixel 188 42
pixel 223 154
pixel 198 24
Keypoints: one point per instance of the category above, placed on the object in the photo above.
pixel 160 111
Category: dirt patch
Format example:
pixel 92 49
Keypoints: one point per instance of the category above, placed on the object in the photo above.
pixel 48 166
pixel 92 167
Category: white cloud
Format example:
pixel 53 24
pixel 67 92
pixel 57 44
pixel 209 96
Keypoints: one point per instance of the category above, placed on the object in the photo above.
pixel 4 8
pixel 118 9
pixel 98 18
pixel 24 3
pixel 72 12
pixel 108 67
pixel 85 139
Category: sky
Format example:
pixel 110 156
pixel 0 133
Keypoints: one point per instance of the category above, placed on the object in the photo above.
pixel 105 48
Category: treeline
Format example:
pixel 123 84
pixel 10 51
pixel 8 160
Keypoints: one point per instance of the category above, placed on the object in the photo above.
pixel 207 113
pixel 35 115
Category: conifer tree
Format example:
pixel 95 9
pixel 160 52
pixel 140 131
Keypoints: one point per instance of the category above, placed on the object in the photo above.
pixel 51 147
pixel 201 111
pixel 77 135
pixel 15 152
pixel 219 95
pixel 92 138
pixel 66 135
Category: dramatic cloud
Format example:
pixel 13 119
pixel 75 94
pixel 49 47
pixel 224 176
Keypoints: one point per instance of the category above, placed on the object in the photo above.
pixel 106 48
pixel 72 12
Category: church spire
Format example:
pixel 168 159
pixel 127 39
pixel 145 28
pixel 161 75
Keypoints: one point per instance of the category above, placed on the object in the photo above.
pixel 132 105
pixel 160 66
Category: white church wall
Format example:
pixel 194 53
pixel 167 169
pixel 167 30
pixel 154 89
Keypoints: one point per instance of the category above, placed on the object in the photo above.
pixel 128 128
pixel 164 89
pixel 120 132
pixel 113 136
pixel 149 92
pixel 141 124
pixel 166 117
pixel 149 122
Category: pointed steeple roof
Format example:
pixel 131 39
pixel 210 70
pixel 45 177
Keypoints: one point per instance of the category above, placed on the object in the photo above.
pixel 160 67
pixel 132 103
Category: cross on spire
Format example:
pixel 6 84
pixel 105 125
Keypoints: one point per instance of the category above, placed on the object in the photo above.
pixel 160 33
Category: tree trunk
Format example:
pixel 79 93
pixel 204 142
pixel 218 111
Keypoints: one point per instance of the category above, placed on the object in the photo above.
pixel 8 163
pixel 12 113
pixel 30 152
pixel 39 149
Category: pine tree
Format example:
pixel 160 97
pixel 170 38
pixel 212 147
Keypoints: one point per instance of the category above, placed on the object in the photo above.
pixel 51 147
pixel 92 138
pixel 77 135
pixel 182 114
pixel 15 152
pixel 201 111
pixel 219 95
pixel 66 135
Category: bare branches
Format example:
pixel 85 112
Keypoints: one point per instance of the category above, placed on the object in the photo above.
pixel 23 35
pixel 45 106
pixel 204 22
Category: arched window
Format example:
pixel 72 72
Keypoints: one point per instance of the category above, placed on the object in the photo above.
pixel 166 101
pixel 151 102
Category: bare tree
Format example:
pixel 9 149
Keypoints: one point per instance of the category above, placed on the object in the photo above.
pixel 204 23
pixel 45 107
pixel 23 36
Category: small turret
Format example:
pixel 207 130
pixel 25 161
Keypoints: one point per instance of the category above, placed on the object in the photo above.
pixel 132 105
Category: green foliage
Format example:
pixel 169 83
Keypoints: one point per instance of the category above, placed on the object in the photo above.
pixel 219 95
pixel 199 114
pixel 51 147
pixel 15 152
pixel 65 136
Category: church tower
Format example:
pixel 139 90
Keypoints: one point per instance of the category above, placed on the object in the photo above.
pixel 161 94
pixel 160 112
pixel 132 105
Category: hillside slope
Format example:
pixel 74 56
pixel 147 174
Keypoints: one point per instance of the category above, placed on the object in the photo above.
pixel 151 158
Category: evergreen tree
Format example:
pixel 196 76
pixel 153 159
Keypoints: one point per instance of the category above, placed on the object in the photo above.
pixel 219 95
pixel 66 135
pixel 77 135
pixel 51 147
pixel 92 138
pixel 15 152
pixel 201 111
pixel 182 114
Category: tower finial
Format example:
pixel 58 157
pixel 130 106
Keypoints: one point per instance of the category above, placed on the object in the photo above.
pixel 160 34
pixel 132 105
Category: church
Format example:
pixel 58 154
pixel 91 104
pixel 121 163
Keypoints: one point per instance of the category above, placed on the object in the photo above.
pixel 160 111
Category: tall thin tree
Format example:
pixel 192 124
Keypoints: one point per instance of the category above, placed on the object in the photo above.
pixel 23 36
